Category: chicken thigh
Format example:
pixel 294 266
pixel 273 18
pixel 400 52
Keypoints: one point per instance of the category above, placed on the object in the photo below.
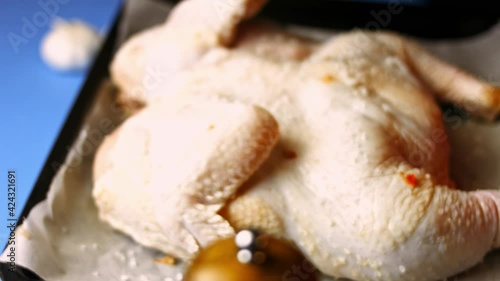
pixel 358 177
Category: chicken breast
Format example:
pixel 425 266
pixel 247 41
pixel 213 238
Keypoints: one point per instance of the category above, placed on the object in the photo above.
pixel 358 177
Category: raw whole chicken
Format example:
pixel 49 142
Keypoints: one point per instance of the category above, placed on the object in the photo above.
pixel 337 145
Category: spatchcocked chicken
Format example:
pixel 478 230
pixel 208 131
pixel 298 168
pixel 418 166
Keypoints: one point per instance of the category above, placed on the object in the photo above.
pixel 337 145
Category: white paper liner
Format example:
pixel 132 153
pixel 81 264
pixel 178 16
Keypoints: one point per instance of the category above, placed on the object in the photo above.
pixel 63 240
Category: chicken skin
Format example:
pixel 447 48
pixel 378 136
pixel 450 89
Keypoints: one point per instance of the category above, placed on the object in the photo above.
pixel 337 145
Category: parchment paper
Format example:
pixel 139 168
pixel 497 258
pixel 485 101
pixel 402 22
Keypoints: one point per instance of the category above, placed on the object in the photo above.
pixel 62 239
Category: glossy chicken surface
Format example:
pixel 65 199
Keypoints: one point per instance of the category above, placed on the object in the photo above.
pixel 337 145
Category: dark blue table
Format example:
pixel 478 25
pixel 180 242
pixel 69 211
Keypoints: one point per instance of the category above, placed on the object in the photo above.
pixel 34 99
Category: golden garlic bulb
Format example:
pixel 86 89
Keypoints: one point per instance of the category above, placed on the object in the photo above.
pixel 251 257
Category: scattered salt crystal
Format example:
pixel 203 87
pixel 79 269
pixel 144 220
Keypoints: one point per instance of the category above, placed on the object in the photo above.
pixel 120 256
pixel 95 273
pixel 179 276
pixel 132 262
pixel 124 277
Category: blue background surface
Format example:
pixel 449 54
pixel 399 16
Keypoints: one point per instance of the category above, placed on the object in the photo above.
pixel 34 99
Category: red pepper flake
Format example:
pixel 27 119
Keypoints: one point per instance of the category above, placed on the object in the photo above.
pixel 289 154
pixel 411 180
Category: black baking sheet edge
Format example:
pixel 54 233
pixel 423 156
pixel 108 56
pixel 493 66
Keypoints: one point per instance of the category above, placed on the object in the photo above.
pixel 67 136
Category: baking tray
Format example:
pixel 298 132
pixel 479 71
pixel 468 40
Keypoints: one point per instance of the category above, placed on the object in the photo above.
pixel 291 14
